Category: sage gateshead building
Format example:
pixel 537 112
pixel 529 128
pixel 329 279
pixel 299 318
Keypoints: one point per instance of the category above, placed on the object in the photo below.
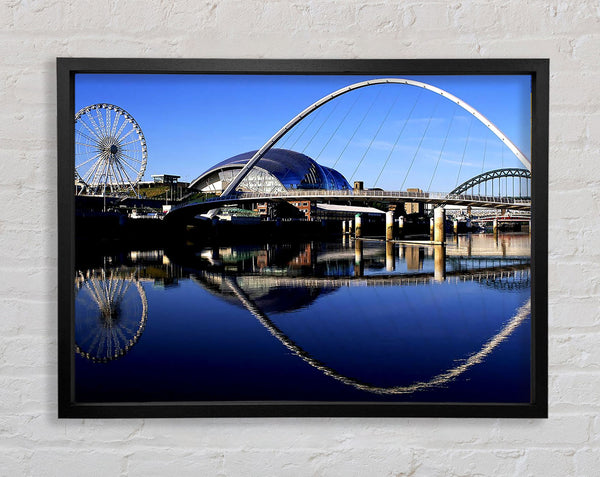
pixel 277 171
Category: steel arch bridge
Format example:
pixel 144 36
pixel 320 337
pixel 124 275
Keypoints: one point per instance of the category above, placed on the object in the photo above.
pixel 230 189
pixel 490 176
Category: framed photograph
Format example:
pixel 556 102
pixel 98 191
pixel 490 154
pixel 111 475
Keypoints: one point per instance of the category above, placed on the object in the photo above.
pixel 302 237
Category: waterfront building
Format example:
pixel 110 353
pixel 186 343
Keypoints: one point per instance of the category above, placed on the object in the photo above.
pixel 162 186
pixel 279 170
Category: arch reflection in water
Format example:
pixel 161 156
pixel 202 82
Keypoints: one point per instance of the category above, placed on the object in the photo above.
pixel 110 313
pixel 437 380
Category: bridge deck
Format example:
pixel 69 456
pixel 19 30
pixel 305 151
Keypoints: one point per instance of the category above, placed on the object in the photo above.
pixel 364 196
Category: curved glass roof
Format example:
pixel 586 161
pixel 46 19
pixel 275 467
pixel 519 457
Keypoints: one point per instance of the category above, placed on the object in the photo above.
pixel 292 169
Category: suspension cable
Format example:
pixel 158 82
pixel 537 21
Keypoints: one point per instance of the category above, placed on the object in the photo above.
pixel 309 124
pixel 358 127
pixel 375 135
pixel 322 124
pixel 358 95
pixel 398 137
pixel 464 151
pixel 484 155
pixel 441 150
pixel 420 142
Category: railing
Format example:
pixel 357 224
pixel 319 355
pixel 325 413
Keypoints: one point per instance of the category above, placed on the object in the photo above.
pixel 300 193
pixel 307 193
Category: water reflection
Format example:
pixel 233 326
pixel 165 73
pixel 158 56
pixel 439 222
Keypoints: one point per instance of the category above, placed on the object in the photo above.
pixel 111 310
pixel 386 319
pixel 438 380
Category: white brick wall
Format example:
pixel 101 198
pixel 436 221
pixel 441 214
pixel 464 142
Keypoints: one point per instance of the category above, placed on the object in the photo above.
pixel 34 442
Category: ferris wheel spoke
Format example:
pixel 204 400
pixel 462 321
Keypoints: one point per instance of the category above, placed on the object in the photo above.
pixel 89 284
pixel 95 342
pixel 127 179
pixel 121 128
pixel 90 123
pixel 108 122
pixel 118 288
pixel 101 122
pixel 101 344
pixel 94 133
pixel 95 125
pixel 100 289
pixel 116 183
pixel 94 140
pixel 89 178
pixel 130 142
pixel 122 339
pixel 117 180
pixel 84 152
pixel 122 154
pixel 110 171
pixel 85 176
pixel 130 166
pixel 130 157
pixel 100 173
pixel 89 160
pixel 131 131
pixel 86 144
pixel 124 161
pixel 85 341
pixel 117 172
pixel 92 171
pixel 115 122
pixel 112 341
pixel 95 172
pixel 127 285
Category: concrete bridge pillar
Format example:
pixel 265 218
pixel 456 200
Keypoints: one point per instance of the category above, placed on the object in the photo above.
pixel 358 225
pixel 344 227
pixel 439 230
pixel 358 259
pixel 401 226
pixel 350 226
pixel 439 263
pixel 495 225
pixel 389 225
pixel 431 229
pixel 390 259
pixel 455 226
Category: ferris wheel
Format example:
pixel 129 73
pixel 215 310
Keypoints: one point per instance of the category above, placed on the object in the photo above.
pixel 110 150
pixel 110 314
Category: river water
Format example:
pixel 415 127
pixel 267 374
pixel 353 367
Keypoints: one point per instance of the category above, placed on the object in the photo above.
pixel 313 321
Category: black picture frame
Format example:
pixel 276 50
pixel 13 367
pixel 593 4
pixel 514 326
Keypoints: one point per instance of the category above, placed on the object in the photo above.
pixel 67 68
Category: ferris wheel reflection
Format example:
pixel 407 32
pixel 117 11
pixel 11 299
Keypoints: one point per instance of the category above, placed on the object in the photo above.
pixel 111 310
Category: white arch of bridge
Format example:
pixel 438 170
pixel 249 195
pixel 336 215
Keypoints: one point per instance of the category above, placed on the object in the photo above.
pixel 296 119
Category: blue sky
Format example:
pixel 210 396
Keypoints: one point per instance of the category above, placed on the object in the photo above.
pixel 390 136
